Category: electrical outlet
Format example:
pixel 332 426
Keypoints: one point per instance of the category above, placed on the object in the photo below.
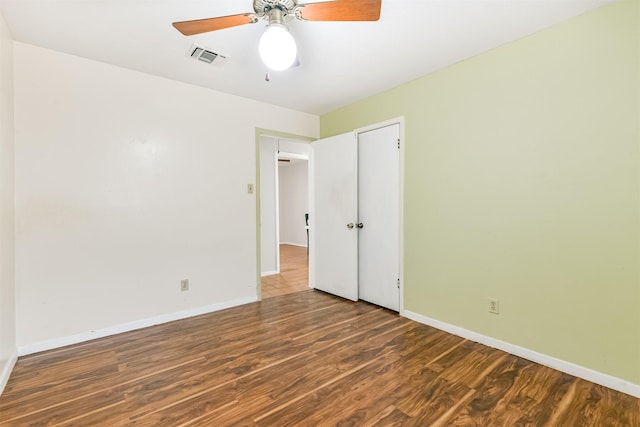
pixel 493 306
pixel 184 285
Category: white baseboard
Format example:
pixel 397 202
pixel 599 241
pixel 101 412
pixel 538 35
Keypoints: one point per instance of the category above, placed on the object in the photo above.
pixel 302 245
pixel 6 371
pixel 606 380
pixel 130 326
pixel 268 273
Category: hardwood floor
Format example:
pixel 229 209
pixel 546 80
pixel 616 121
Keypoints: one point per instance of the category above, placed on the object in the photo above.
pixel 302 359
pixel 294 273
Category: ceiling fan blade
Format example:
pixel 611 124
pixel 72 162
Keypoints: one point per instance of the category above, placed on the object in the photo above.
pixel 198 26
pixel 342 10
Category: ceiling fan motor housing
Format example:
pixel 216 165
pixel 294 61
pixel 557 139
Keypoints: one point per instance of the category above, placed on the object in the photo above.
pixel 264 6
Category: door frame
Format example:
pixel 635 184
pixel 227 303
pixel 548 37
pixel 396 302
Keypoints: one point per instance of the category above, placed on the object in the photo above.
pixel 400 122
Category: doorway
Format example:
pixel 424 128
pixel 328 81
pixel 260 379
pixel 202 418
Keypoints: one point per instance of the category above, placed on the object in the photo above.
pixel 283 202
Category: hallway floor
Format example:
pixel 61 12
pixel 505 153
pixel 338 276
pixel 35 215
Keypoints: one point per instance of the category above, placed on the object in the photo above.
pixel 294 273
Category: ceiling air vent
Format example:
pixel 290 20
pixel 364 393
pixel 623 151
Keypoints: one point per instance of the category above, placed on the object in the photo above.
pixel 205 55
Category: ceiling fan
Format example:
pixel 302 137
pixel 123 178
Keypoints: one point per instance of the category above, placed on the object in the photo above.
pixel 277 47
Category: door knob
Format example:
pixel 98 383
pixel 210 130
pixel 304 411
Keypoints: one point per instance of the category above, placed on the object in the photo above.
pixel 360 225
pixel 350 225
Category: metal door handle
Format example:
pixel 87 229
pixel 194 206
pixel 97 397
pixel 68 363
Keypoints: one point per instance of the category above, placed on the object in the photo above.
pixel 360 225
pixel 350 225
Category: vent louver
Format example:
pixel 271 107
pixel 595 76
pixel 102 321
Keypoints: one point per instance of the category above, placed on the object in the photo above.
pixel 205 55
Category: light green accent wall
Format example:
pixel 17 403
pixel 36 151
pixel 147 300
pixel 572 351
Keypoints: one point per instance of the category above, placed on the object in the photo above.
pixel 522 183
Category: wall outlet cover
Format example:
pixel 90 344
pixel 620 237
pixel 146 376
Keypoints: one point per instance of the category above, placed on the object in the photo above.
pixel 494 306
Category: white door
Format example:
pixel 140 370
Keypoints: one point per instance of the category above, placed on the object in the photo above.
pixel 379 216
pixel 333 210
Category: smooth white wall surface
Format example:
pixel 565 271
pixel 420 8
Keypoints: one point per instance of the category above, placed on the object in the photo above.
pixel 294 202
pixel 293 147
pixel 268 211
pixel 8 351
pixel 127 183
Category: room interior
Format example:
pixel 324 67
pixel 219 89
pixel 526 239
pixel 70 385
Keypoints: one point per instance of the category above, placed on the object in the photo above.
pixel 126 167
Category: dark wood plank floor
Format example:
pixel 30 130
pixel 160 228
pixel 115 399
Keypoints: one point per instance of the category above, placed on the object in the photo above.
pixel 302 359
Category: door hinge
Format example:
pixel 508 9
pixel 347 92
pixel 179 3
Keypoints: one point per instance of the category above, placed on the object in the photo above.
pixel 398 143
pixel 398 283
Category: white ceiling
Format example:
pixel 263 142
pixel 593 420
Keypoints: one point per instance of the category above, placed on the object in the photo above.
pixel 341 62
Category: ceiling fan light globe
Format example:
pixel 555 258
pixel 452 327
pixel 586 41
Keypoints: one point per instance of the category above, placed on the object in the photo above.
pixel 277 48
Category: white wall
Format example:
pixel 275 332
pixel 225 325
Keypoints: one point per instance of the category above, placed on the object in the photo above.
pixel 268 211
pixel 8 350
pixel 125 184
pixel 294 198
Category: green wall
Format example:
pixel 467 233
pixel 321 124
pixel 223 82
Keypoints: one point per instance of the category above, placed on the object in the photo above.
pixel 522 183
